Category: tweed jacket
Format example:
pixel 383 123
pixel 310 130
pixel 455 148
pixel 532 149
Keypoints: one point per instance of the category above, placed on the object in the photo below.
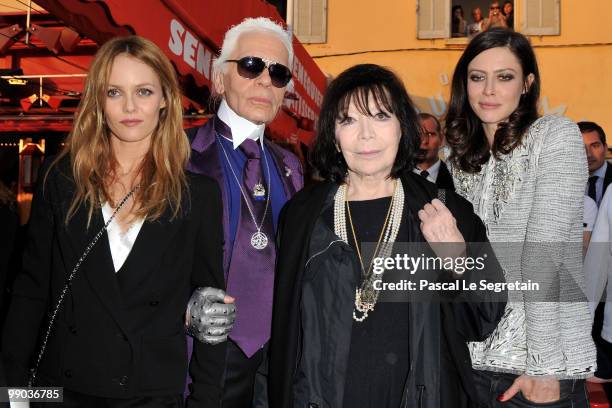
pixel 531 202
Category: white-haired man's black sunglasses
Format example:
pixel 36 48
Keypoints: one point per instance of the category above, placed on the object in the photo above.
pixel 252 67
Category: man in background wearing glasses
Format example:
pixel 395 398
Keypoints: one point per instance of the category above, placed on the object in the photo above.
pixel 496 17
pixel 256 178
pixel 429 164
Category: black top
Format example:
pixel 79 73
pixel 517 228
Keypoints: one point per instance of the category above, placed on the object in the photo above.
pixel 379 354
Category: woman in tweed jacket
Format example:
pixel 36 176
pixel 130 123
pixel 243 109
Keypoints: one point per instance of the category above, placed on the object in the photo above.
pixel 525 177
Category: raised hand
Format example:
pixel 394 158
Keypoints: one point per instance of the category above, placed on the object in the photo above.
pixel 439 228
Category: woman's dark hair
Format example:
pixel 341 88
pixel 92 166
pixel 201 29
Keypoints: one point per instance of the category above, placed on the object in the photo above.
pixel 359 84
pixel 464 131
pixel 454 20
pixel 457 7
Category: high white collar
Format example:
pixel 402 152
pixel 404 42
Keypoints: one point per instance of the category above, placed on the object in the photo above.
pixel 242 128
pixel 433 171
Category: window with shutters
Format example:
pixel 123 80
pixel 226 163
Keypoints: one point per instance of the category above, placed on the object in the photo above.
pixel 465 18
pixel 540 17
pixel 310 21
pixel 433 18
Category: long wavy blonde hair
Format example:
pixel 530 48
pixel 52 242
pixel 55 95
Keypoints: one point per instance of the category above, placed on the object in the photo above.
pixel 162 177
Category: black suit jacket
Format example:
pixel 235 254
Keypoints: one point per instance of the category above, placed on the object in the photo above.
pixel 445 180
pixel 118 335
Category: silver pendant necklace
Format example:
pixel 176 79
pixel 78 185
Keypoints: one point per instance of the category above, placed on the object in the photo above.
pixel 259 240
pixel 259 191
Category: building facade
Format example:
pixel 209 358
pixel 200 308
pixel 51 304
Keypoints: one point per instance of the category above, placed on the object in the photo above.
pixel 572 40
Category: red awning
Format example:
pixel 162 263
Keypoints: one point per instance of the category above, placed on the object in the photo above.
pixel 188 31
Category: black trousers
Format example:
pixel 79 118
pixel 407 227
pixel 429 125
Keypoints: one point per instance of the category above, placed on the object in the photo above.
pixel 239 378
pixel 74 399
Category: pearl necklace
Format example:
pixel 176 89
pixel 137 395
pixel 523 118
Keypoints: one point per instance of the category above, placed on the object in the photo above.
pixel 365 295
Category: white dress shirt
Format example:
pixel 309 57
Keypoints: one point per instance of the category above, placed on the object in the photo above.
pixel 433 171
pixel 590 213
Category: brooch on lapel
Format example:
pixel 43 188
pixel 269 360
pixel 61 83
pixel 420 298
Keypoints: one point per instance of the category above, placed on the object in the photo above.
pixel 287 171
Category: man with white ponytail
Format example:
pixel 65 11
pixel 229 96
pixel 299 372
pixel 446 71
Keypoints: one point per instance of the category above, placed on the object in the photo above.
pixel 256 178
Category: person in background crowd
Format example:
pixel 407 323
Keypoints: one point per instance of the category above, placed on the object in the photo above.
pixel 428 162
pixel 496 18
pixel 150 233
pixel 590 215
pixel 598 270
pixel 334 344
pixel 525 176
pixel 8 234
pixel 600 177
pixel 475 27
pixel 458 26
pixel 10 224
pixel 256 177
pixel 600 173
pixel 508 11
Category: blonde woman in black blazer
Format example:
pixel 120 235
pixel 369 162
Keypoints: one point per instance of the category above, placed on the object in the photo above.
pixel 119 337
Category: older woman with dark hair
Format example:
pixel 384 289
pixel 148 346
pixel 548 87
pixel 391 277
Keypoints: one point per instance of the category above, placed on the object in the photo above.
pixel 334 343
pixel 525 176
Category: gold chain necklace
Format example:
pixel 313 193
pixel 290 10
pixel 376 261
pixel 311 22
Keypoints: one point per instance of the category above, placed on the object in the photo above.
pixel 382 233
pixel 365 297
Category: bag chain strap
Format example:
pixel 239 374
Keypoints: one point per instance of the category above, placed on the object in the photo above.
pixel 442 195
pixel 34 370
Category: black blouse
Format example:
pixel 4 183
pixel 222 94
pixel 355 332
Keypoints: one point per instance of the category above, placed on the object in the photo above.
pixel 379 355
